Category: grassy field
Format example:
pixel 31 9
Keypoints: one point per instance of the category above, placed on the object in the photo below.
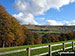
pixel 56 54
pixel 50 31
pixel 33 52
pixel 49 28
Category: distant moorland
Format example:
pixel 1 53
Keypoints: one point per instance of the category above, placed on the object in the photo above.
pixel 50 29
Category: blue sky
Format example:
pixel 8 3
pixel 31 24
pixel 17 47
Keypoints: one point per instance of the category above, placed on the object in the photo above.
pixel 58 14
pixel 66 13
pixel 8 4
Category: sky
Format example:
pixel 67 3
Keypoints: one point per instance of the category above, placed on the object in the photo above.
pixel 41 12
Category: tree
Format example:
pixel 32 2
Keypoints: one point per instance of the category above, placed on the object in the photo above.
pixel 10 29
pixel 4 26
pixel 37 38
pixel 46 38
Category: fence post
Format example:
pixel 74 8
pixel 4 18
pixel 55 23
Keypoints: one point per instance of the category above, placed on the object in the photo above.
pixel 72 46
pixel 63 46
pixel 28 51
pixel 50 50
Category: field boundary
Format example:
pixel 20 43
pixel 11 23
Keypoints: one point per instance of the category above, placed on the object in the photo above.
pixel 50 54
pixel 9 52
pixel 53 51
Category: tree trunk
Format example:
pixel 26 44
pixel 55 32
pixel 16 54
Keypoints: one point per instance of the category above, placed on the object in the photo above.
pixel 3 44
pixel 9 44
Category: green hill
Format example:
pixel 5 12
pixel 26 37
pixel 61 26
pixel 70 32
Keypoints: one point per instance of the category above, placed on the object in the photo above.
pixel 50 29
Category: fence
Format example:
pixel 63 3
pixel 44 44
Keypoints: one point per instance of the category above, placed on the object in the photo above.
pixel 50 49
pixel 49 46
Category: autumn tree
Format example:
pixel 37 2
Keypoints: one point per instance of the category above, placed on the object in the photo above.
pixel 10 29
pixel 37 38
pixel 4 26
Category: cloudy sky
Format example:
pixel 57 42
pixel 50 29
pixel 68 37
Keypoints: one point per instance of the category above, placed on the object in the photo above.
pixel 42 12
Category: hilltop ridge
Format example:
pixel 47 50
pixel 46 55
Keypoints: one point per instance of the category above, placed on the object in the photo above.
pixel 50 28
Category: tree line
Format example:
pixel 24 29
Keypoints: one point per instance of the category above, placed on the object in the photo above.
pixel 14 34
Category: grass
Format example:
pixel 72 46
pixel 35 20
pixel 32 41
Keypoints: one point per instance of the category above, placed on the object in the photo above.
pixel 69 50
pixel 56 54
pixel 56 31
pixel 33 52
pixel 46 32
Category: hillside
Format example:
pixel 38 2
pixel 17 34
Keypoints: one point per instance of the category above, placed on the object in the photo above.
pixel 50 29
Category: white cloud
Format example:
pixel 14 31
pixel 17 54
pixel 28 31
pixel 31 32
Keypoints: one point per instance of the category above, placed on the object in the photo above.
pixel 69 23
pixel 23 19
pixel 53 22
pixel 31 8
pixel 40 18
pixel 37 7
pixel 72 0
